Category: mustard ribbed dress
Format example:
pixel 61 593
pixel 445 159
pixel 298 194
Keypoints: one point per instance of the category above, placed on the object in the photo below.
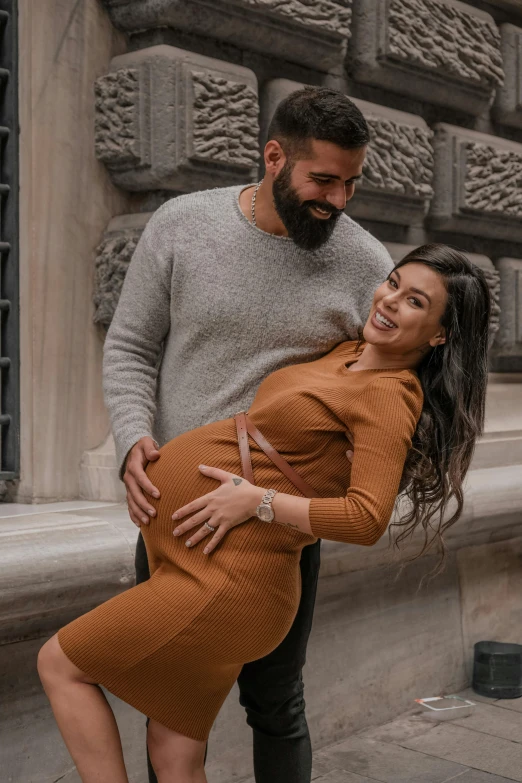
pixel 173 646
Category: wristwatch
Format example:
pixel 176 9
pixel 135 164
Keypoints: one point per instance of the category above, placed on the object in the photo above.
pixel 264 511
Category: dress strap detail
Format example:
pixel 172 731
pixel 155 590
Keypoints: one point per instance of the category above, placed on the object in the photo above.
pixel 245 428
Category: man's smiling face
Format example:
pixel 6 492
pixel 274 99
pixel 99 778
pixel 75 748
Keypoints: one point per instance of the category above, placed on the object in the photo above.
pixel 311 191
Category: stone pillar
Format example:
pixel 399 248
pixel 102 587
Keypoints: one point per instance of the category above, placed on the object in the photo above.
pixel 66 200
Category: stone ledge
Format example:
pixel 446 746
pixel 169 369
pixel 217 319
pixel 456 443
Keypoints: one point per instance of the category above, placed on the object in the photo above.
pixel 312 34
pixel 389 51
pixel 76 560
pixel 476 184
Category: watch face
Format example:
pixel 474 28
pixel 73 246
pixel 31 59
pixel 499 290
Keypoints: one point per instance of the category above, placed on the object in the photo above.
pixel 265 513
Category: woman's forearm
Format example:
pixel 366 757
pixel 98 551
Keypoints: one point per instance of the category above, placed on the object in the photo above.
pixel 292 511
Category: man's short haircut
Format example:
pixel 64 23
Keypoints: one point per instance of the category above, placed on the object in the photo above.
pixel 318 113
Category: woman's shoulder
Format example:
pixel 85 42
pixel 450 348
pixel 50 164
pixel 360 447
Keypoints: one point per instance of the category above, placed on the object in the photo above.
pixel 403 386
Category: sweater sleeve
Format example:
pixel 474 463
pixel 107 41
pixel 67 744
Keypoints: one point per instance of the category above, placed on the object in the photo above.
pixel 383 421
pixel 135 338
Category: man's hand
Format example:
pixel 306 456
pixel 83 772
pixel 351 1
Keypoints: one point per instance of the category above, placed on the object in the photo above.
pixel 136 480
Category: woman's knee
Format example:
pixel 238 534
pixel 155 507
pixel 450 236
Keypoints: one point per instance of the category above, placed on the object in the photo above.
pixel 55 667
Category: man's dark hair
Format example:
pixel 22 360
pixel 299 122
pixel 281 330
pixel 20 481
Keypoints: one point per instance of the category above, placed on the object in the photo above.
pixel 318 113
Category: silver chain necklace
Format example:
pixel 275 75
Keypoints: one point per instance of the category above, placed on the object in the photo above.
pixel 253 206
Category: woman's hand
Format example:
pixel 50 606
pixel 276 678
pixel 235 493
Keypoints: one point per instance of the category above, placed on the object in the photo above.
pixel 229 505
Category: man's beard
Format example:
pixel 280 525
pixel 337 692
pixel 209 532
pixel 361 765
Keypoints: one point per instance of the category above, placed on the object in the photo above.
pixel 307 231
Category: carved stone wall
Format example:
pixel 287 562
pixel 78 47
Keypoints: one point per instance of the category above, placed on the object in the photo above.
pixel 441 48
pixel 439 81
pixel 116 119
pixel 508 106
pixel 172 120
pixel 314 33
pixel 478 181
pixel 113 256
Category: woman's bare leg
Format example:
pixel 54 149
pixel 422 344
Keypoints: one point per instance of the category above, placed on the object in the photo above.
pixel 84 717
pixel 175 758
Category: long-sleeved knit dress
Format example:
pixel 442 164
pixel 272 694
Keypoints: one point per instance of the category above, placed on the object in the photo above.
pixel 173 646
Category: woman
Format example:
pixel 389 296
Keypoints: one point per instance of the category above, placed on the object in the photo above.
pixel 413 401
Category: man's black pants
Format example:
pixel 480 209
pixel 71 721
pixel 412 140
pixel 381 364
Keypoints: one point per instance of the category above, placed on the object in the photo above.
pixel 271 689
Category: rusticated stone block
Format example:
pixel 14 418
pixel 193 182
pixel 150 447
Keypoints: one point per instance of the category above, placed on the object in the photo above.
pixel 397 176
pixel 309 32
pixel 113 256
pixel 440 51
pixel 477 182
pixel 507 351
pixel 170 119
pixel 508 104
pixel 397 252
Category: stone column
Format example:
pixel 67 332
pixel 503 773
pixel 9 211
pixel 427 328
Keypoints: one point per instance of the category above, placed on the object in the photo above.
pixel 66 200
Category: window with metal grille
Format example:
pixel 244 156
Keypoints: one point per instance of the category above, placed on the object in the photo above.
pixel 9 273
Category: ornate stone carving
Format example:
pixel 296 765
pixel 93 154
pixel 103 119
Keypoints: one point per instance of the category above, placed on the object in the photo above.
pixel 478 181
pixel 493 281
pixel 508 104
pixel 172 120
pixel 443 37
pixel 309 32
pixel 442 51
pixel 225 121
pixel 400 158
pixel 113 256
pixel 507 351
pixel 493 180
pixel 116 123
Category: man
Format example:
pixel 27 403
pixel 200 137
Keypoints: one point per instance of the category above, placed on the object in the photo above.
pixel 225 287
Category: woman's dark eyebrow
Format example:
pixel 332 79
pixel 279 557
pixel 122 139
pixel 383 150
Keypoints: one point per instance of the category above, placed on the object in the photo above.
pixel 415 290
pixel 422 293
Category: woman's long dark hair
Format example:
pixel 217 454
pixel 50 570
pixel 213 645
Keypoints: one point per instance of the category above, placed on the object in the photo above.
pixel 454 379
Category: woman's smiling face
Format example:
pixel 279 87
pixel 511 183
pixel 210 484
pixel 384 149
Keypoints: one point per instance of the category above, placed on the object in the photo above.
pixel 406 311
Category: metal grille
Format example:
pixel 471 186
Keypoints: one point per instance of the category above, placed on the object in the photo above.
pixel 9 272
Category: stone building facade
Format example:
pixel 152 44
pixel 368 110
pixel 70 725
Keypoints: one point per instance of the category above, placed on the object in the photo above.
pixel 128 103
pixel 187 105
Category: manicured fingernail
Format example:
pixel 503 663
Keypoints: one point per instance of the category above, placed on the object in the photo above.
pixel 206 551
pixel 202 467
pixel 175 516
pixel 155 494
pixel 144 520
pixel 188 543
pixel 151 512
pixel 176 532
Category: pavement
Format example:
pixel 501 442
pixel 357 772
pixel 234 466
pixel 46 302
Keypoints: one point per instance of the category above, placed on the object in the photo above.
pixel 484 747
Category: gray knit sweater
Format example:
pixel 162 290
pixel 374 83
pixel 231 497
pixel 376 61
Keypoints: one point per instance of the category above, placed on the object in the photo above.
pixel 211 305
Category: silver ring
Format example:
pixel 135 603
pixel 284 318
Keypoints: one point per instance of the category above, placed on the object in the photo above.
pixel 209 527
